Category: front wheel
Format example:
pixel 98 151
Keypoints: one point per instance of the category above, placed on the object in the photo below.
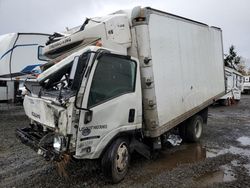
pixel 115 160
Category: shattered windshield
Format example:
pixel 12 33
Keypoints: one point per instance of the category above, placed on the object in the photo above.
pixel 61 78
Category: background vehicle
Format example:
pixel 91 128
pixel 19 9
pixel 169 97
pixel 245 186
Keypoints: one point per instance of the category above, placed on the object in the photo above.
pixel 246 84
pixel 234 86
pixel 19 59
pixel 113 88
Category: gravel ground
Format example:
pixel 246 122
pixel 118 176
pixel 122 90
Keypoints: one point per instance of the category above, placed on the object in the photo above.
pixel 221 159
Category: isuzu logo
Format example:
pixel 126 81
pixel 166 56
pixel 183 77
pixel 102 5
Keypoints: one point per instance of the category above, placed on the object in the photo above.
pixel 35 115
pixel 86 131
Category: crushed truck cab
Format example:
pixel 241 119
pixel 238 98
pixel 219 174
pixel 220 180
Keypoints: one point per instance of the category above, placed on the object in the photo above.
pixel 59 111
pixel 119 84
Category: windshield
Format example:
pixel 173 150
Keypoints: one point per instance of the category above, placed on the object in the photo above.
pixel 61 78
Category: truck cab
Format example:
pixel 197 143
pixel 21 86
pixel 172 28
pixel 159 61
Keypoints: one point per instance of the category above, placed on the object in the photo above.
pixel 84 103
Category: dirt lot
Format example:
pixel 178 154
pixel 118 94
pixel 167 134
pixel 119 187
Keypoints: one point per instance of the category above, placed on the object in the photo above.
pixel 221 159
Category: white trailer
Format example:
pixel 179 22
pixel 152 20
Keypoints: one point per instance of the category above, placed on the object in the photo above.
pixel 234 86
pixel 6 90
pixel 246 84
pixel 123 82
pixel 19 58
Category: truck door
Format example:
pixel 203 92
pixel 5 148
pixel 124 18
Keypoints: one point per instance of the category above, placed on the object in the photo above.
pixel 113 96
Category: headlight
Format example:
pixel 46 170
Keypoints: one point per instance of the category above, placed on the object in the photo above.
pixel 59 143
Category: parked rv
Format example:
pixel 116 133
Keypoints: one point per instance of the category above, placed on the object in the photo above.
pixel 6 90
pixel 234 86
pixel 246 84
pixel 122 83
pixel 19 59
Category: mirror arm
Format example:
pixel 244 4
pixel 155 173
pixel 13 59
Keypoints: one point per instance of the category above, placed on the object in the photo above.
pixel 88 114
pixel 80 108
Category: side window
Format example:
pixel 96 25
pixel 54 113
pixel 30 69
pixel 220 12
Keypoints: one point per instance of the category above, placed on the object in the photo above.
pixel 113 77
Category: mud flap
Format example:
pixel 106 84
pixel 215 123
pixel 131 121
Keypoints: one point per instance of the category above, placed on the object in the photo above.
pixel 141 148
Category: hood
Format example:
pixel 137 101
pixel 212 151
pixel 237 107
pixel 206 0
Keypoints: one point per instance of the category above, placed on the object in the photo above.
pixel 44 111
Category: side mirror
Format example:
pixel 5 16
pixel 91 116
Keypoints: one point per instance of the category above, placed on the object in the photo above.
pixel 88 116
pixel 40 54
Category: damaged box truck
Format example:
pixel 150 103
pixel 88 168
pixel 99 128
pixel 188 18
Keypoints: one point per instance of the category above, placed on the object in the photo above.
pixel 120 83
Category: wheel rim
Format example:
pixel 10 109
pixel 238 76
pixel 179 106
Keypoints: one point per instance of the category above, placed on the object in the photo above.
pixel 198 129
pixel 122 157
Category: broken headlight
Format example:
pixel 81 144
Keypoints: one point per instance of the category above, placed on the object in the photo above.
pixel 59 143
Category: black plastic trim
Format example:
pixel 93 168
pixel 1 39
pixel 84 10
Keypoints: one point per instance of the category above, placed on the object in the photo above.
pixel 90 138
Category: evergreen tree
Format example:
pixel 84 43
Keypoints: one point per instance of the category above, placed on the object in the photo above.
pixel 232 58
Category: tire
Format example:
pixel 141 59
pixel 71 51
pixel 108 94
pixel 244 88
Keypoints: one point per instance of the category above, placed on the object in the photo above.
pixel 115 161
pixel 194 128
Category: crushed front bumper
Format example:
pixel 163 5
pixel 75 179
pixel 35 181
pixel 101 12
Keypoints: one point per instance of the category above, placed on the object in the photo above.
pixel 33 138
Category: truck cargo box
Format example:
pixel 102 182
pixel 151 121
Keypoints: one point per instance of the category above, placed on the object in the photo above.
pixel 181 66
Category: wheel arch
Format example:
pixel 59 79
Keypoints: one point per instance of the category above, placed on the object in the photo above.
pixel 125 134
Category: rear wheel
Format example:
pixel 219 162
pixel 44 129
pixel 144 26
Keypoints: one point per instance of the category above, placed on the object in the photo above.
pixel 194 128
pixel 115 161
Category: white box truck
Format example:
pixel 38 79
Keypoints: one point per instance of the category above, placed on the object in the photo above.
pixel 19 58
pixel 234 86
pixel 122 82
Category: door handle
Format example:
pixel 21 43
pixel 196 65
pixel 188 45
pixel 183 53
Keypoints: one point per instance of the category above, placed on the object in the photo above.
pixel 131 116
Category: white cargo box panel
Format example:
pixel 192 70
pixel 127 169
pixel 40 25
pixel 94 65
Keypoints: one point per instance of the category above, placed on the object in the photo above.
pixel 186 68
pixel 7 91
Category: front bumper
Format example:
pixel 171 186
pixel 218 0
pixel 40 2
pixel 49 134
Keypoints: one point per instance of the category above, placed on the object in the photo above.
pixel 33 139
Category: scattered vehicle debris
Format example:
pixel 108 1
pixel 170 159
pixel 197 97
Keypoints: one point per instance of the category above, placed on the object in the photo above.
pixel 174 139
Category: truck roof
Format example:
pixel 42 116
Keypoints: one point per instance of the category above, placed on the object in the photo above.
pixel 74 36
pixel 176 16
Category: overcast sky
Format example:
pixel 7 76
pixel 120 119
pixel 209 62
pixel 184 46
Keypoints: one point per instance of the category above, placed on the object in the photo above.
pixel 47 16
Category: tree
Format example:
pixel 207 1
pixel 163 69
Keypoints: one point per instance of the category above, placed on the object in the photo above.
pixel 236 62
pixel 242 68
pixel 232 59
pixel 248 72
